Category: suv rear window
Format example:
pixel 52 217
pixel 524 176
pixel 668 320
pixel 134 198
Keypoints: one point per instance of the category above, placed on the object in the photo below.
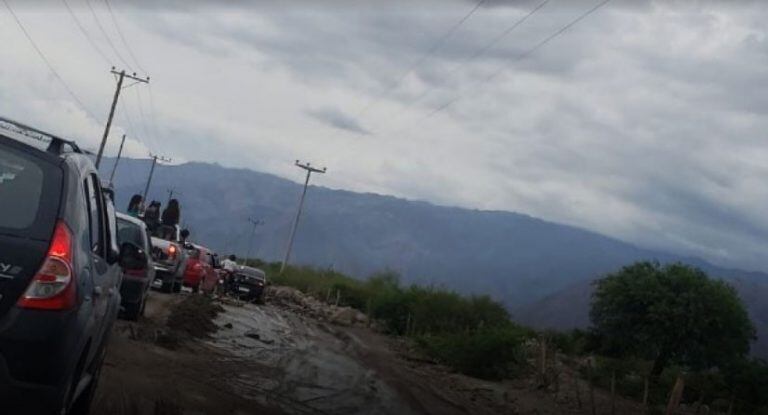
pixel 21 188
pixel 129 232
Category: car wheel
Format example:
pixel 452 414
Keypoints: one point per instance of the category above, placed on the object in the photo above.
pixel 143 306
pixel 82 406
pixel 196 288
pixel 177 287
pixel 167 287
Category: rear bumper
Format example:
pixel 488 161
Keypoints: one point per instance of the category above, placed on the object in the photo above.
pixel 38 354
pixel 168 275
pixel 26 398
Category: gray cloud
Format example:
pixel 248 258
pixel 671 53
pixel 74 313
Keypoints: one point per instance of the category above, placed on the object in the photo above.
pixel 337 119
pixel 646 121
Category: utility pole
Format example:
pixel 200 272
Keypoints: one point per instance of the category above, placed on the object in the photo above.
pixel 310 170
pixel 155 157
pixel 171 192
pixel 117 160
pixel 120 77
pixel 255 224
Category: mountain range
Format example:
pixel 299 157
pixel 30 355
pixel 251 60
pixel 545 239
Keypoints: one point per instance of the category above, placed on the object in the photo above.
pixel 540 270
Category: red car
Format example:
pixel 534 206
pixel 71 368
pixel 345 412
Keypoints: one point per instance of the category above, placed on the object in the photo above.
pixel 200 273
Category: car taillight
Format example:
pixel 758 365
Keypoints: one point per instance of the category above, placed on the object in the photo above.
pixel 53 287
pixel 135 272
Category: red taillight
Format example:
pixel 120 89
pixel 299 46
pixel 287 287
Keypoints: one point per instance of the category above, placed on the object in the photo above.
pixel 135 272
pixel 53 288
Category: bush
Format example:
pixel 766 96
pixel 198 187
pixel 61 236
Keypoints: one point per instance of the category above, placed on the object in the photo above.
pixel 488 353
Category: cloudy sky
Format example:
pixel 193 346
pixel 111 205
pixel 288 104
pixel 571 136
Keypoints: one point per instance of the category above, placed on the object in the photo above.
pixel 645 120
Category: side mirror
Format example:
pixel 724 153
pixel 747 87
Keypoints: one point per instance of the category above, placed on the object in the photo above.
pixel 132 257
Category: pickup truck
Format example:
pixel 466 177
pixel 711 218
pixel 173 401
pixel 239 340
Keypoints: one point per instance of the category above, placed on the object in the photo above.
pixel 170 256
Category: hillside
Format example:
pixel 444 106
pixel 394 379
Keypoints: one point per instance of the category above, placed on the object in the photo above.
pixel 569 309
pixel 516 258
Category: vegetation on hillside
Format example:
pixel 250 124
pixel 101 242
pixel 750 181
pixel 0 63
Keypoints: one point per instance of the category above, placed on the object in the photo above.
pixel 671 314
pixel 650 323
pixel 658 322
pixel 472 334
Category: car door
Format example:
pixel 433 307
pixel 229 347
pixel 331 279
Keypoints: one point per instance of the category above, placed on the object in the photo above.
pixel 100 269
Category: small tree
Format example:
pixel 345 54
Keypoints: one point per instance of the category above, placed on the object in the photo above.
pixel 670 314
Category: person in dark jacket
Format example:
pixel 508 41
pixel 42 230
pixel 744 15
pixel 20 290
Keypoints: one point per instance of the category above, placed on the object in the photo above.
pixel 134 206
pixel 152 216
pixel 172 213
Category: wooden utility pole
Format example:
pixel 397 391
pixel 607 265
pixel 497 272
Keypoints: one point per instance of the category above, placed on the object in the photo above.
pixel 255 223
pixel 310 170
pixel 120 77
pixel 155 157
pixel 117 160
pixel 172 191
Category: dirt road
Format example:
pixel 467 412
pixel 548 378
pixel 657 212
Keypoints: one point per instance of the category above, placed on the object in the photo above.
pixel 272 360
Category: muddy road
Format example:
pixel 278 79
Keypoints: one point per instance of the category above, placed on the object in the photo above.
pixel 270 359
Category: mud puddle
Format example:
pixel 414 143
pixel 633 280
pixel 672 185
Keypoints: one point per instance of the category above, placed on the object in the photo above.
pixel 306 366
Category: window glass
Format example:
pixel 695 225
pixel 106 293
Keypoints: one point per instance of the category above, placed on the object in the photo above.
pixel 21 186
pixel 95 221
pixel 129 232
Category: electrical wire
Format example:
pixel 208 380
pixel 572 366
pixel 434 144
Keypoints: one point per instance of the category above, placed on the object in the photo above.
pixel 48 62
pixel 424 57
pixel 502 68
pixel 106 36
pixel 122 38
pixel 86 34
pixel 480 52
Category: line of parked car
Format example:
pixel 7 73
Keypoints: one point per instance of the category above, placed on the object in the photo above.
pixel 69 264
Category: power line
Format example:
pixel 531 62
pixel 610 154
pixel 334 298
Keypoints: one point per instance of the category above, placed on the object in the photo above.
pixel 519 57
pixel 122 37
pixel 480 52
pixel 86 34
pixel 153 112
pixel 106 36
pixel 435 47
pixel 141 114
pixel 47 62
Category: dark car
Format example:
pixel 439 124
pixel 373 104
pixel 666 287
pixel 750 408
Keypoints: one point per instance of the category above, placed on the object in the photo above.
pixel 136 280
pixel 59 273
pixel 247 283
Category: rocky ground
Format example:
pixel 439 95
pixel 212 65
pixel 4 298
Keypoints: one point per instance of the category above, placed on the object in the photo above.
pixel 297 355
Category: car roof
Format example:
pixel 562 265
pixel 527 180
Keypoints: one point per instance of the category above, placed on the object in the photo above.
pixel 129 218
pixel 252 271
pixel 37 139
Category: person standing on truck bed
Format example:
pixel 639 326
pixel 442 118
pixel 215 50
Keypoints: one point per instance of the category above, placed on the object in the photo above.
pixel 171 215
pixel 134 206
pixel 152 216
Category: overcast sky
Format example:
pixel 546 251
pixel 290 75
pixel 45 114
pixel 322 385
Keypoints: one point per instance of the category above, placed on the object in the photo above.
pixel 645 121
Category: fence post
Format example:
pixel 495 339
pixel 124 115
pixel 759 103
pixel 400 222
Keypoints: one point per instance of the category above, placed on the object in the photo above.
pixel 591 386
pixel 543 360
pixel 645 392
pixel 408 325
pixel 613 392
pixel 576 389
pixel 338 297
pixel 675 396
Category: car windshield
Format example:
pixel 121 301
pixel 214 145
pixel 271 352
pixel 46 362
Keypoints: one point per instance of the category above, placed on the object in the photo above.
pixel 21 185
pixel 129 232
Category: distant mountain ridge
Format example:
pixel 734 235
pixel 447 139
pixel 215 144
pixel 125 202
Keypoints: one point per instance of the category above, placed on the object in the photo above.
pixel 516 258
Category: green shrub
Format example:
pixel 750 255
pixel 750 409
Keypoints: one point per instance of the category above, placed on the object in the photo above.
pixel 488 353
